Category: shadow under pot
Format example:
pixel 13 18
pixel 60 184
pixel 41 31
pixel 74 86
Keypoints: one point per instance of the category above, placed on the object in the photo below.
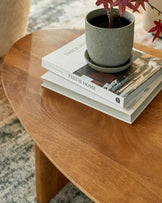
pixel 109 47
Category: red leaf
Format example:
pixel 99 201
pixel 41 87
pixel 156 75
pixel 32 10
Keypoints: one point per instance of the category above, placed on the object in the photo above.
pixel 122 4
pixel 157 28
pixel 139 3
pixel 153 29
pixel 105 3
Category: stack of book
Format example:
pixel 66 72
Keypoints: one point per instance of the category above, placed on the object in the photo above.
pixel 122 95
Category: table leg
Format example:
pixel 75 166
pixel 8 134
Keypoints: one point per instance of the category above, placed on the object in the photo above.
pixel 49 180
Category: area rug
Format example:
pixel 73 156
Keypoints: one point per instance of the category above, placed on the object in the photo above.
pixel 17 183
pixel 17 172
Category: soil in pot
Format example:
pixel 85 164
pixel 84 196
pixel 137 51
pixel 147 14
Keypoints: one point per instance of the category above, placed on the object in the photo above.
pixel 102 21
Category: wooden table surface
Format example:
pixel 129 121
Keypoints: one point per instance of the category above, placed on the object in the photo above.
pixel 109 160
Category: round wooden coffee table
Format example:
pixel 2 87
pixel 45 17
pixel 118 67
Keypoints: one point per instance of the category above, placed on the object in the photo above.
pixel 109 160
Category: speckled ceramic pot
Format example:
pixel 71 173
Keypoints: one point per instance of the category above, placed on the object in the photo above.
pixel 109 46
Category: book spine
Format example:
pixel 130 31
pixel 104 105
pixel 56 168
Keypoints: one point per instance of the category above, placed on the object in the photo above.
pixel 109 96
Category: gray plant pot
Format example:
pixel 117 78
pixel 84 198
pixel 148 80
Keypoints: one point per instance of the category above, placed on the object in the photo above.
pixel 109 46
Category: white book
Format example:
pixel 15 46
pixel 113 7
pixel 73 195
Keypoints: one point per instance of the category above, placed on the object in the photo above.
pixel 63 86
pixel 119 88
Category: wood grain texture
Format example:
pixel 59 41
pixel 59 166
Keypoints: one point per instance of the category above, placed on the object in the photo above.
pixel 48 179
pixel 109 160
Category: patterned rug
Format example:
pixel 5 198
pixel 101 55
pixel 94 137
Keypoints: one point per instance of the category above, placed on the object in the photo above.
pixel 16 164
pixel 17 179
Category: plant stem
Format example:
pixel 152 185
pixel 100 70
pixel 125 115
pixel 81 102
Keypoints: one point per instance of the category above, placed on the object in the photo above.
pixel 153 7
pixel 110 17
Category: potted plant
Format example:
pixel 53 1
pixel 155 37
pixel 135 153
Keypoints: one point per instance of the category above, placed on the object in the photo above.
pixel 110 31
